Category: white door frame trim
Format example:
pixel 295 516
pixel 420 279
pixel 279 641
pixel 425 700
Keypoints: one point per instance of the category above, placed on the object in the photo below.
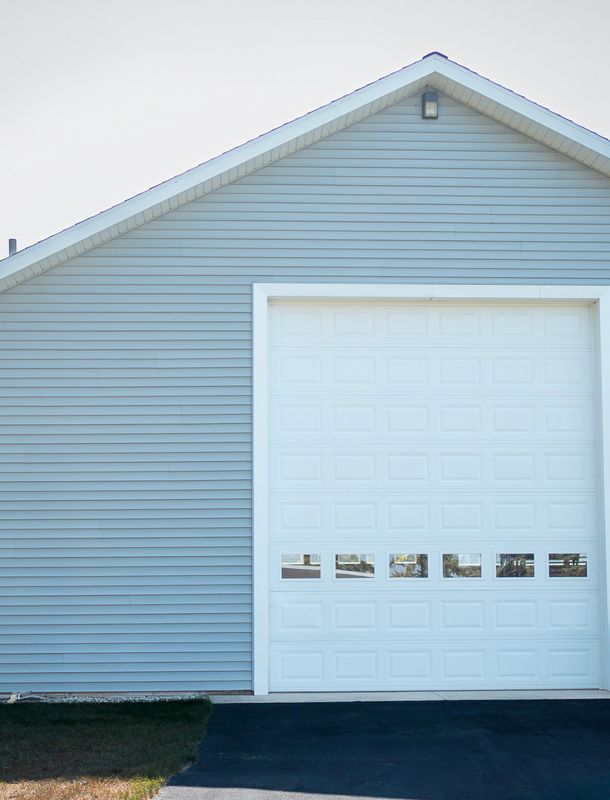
pixel 262 293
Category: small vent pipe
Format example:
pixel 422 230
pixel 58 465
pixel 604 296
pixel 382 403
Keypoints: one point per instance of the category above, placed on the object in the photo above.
pixel 12 247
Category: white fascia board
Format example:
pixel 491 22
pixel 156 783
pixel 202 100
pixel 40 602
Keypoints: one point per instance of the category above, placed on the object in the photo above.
pixel 520 105
pixel 420 291
pixel 432 70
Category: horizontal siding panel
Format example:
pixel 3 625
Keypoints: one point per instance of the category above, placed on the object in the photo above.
pixel 133 387
pixel 428 192
pixel 218 482
pixel 199 406
pixel 62 645
pixel 231 455
pixel 143 516
pixel 123 608
pixel 84 492
pixel 138 335
pixel 93 662
pixel 74 438
pixel 386 214
pixel 189 396
pixel 219 425
pixel 103 451
pixel 73 682
pixel 495 138
pixel 211 549
pixel 230 657
pixel 125 380
pixel 146 509
pixel 131 571
pixel 211 504
pixel 135 522
pixel 174 592
pixel 335 238
pixel 467 177
pixel 168 583
pixel 118 303
pixel 142 673
pixel 233 526
pixel 126 640
pixel 483 225
pixel 131 475
pixel 132 546
pixel 126 624
pixel 214 376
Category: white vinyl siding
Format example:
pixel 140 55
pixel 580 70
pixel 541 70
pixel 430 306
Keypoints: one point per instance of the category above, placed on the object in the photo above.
pixel 125 380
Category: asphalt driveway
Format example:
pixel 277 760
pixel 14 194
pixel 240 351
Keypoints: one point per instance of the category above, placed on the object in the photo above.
pixel 496 750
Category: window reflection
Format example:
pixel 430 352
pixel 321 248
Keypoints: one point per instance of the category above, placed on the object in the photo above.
pixel 301 565
pixel 354 565
pixel 461 565
pixel 567 565
pixel 409 565
pixel 514 565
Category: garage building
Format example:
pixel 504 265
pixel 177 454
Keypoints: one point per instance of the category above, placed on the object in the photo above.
pixel 328 412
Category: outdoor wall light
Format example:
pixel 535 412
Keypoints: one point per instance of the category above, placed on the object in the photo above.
pixel 429 105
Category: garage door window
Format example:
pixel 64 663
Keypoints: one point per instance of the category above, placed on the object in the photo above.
pixel 301 565
pixel 409 565
pixel 354 565
pixel 461 565
pixel 514 565
pixel 567 565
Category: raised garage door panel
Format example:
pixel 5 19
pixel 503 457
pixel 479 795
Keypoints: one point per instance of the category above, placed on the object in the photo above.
pixel 433 429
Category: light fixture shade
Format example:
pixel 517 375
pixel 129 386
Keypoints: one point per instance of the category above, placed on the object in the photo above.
pixel 429 105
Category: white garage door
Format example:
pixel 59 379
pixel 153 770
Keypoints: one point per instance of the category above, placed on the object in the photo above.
pixel 432 496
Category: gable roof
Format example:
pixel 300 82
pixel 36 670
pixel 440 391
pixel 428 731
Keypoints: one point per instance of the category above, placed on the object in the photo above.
pixel 434 70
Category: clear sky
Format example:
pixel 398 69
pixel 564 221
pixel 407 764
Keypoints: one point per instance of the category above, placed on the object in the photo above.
pixel 100 99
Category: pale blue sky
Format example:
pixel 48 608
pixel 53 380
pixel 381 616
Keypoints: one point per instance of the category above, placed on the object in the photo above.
pixel 100 99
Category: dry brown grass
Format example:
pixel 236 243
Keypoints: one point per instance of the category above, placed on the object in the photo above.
pixel 96 751
pixel 78 789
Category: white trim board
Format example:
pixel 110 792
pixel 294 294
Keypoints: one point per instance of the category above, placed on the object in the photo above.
pixel 262 294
